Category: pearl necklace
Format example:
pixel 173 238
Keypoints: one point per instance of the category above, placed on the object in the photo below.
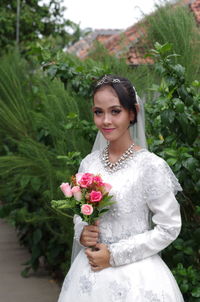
pixel 112 167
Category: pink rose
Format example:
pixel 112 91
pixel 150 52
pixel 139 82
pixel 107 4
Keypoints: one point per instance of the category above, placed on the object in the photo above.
pixel 98 180
pixel 86 180
pixel 95 196
pixel 107 187
pixel 77 193
pixel 66 189
pixel 86 209
pixel 78 177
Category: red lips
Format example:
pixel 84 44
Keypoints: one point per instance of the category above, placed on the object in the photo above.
pixel 108 130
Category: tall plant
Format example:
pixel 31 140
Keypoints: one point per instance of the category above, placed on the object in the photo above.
pixel 176 24
pixel 39 149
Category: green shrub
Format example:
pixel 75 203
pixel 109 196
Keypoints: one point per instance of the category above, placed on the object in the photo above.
pixel 173 126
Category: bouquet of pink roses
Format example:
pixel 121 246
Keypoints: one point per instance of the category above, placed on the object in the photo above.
pixel 87 195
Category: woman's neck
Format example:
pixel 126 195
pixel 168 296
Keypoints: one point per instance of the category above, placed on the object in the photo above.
pixel 119 146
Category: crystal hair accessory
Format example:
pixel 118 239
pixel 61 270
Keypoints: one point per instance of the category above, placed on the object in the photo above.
pixel 106 79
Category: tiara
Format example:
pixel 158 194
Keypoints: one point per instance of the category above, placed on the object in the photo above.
pixel 106 79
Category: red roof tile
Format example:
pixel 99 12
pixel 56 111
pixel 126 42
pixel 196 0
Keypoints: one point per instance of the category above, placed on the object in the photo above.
pixel 195 7
pixel 82 47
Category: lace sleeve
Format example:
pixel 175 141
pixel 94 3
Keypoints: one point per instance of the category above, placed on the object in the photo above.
pixel 159 179
pixel 159 187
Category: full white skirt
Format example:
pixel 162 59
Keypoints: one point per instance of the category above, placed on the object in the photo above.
pixel 148 280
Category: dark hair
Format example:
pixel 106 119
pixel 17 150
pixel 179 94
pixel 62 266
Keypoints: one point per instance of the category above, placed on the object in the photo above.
pixel 124 90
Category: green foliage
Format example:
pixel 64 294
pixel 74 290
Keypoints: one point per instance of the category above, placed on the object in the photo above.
pixel 173 123
pixel 176 24
pixel 189 281
pixel 36 21
pixel 73 73
pixel 38 152
pixel 79 75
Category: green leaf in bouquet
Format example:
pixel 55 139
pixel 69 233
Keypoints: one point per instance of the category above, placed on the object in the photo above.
pixel 63 204
pixel 95 213
pixel 105 203
pixel 101 212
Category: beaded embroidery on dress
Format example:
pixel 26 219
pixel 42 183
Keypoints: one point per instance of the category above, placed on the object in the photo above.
pixel 144 220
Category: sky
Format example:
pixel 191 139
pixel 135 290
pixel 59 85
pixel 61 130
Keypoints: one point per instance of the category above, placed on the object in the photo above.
pixel 107 14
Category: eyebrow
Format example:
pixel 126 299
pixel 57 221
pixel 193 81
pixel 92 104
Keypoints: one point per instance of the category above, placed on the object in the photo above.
pixel 111 107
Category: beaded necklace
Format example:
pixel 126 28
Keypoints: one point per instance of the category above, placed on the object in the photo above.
pixel 112 167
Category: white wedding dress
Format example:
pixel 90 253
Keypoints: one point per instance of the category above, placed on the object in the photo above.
pixel 144 220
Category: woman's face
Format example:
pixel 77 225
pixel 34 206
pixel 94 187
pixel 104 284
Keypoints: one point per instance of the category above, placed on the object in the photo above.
pixel 110 117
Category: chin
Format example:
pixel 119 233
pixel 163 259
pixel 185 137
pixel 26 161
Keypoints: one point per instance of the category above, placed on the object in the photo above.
pixel 111 139
pixel 108 137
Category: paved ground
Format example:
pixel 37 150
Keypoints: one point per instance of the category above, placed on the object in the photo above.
pixel 13 287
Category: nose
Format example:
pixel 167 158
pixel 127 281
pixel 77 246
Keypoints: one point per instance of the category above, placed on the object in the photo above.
pixel 107 119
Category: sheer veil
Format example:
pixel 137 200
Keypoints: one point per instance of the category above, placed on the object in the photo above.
pixel 137 131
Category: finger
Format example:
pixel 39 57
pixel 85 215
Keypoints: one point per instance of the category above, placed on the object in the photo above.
pixel 93 228
pixel 90 258
pixel 99 246
pixel 91 239
pixel 92 263
pixel 88 253
pixel 92 234
pixel 90 243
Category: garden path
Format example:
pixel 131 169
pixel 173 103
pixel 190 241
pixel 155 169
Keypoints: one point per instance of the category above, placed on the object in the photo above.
pixel 36 288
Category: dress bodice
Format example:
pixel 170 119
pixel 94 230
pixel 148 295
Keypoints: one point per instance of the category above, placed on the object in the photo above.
pixel 130 214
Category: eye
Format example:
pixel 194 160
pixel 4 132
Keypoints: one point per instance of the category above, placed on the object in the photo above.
pixel 115 111
pixel 97 112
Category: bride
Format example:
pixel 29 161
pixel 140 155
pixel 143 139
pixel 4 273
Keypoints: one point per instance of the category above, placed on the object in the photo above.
pixel 126 267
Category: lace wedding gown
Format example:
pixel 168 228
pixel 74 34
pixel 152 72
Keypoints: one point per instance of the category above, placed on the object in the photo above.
pixel 144 220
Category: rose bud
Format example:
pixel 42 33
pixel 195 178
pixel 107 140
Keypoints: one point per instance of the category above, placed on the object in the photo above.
pixel 66 189
pixel 107 187
pixel 77 193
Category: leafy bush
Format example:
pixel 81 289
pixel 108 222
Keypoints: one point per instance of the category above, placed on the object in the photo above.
pixel 173 126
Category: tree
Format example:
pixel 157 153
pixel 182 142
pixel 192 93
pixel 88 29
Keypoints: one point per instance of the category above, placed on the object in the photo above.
pixel 36 21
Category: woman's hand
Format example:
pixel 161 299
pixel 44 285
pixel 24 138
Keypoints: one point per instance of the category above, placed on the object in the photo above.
pixel 90 235
pixel 98 259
